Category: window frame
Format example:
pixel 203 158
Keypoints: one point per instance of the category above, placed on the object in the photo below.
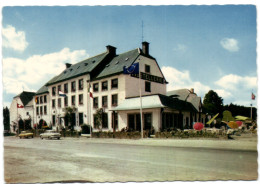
pixel 66 88
pixel 147 68
pixel 95 102
pixel 73 98
pixel 54 91
pixel 104 87
pixel 104 101
pixel 95 87
pixel 53 103
pixel 81 84
pixel 147 86
pixel 73 86
pixel 112 100
pixel 114 86
pixel 81 101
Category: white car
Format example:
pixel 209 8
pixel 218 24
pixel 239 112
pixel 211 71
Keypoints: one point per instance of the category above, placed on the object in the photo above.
pixel 50 134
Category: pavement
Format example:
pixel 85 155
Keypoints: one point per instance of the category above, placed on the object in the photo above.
pixel 247 142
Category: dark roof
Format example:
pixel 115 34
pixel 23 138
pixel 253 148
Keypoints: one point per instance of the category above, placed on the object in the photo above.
pixel 175 103
pixel 25 97
pixel 186 95
pixel 78 69
pixel 43 89
pixel 116 65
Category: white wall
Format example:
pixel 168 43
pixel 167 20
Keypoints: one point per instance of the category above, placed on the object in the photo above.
pixel 132 83
pixel 16 113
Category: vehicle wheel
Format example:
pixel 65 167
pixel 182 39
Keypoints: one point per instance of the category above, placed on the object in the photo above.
pixel 32 136
pixel 49 137
pixel 58 138
pixel 41 137
pixel 20 137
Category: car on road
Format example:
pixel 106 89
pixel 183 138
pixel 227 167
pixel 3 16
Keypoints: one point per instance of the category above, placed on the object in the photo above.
pixel 25 134
pixel 50 134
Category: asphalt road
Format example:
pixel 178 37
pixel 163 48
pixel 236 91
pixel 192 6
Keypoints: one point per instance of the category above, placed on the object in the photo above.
pixel 86 160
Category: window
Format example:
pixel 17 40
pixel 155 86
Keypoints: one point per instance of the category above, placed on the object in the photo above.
pixel 114 100
pixel 53 120
pixel 37 110
pixel 73 86
pixel 59 102
pixel 147 86
pixel 104 85
pixel 72 100
pixel 104 101
pixel 134 122
pixel 81 99
pixel 95 87
pixel 115 116
pixel 45 109
pixel 81 120
pixel 53 91
pixel 45 98
pixel 37 100
pixel 41 110
pixel 66 101
pixel 147 68
pixel 65 88
pixel 41 99
pixel 53 103
pixel 80 84
pixel 59 88
pixel 114 83
pixel 104 120
pixel 95 102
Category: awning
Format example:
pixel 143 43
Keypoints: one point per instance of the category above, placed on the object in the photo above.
pixel 154 101
pixel 148 102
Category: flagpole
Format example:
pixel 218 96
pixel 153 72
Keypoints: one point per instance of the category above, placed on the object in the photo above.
pixel 141 113
pixel 17 117
pixel 89 108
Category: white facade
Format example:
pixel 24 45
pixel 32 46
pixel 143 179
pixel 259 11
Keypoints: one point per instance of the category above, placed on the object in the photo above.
pixel 19 113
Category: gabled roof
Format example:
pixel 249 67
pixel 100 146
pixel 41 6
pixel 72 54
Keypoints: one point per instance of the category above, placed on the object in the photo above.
pixel 78 69
pixel 25 97
pixel 186 95
pixel 116 65
pixel 42 90
pixel 155 101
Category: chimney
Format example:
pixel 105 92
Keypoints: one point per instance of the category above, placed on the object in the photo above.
pixel 68 65
pixel 192 90
pixel 111 50
pixel 145 48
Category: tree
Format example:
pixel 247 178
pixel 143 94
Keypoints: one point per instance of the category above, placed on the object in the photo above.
pixel 212 103
pixel 98 117
pixel 6 115
pixel 69 114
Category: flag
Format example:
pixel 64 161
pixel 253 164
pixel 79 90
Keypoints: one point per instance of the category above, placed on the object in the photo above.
pixel 20 106
pixel 253 96
pixel 36 99
pixel 91 95
pixel 62 94
pixel 133 69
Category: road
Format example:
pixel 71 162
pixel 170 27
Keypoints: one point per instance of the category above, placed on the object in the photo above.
pixel 88 160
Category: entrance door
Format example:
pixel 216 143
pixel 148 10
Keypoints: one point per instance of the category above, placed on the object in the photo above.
pixel 148 121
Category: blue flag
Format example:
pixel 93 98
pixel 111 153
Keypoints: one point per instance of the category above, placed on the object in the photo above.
pixel 133 69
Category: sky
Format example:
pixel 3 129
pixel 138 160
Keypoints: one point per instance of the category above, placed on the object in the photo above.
pixel 201 47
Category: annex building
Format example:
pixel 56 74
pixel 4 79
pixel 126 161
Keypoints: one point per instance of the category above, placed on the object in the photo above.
pixel 99 83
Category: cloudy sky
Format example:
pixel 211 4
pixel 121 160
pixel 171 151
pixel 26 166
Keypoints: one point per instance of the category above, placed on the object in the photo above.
pixel 200 47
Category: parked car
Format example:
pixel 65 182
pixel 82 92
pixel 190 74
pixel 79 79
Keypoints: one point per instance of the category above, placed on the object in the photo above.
pixel 25 134
pixel 50 134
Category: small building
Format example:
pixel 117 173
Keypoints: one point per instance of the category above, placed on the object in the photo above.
pixel 21 108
